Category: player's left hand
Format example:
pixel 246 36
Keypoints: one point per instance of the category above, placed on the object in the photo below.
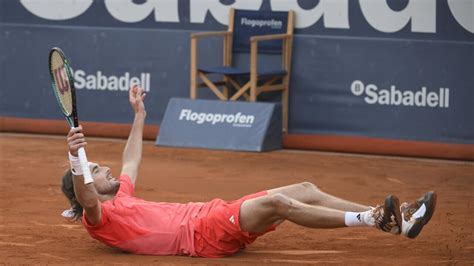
pixel 136 96
pixel 75 140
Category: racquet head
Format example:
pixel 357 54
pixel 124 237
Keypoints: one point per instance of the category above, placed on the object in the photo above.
pixel 63 85
pixel 62 82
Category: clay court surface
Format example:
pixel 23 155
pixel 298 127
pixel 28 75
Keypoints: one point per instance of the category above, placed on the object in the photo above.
pixel 32 230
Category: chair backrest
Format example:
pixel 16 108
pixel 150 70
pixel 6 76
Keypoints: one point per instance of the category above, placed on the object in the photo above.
pixel 246 23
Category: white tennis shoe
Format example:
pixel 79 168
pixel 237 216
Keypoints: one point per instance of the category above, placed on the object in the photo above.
pixel 417 214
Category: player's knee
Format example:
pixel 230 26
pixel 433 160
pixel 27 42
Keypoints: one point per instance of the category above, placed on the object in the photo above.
pixel 281 204
pixel 310 187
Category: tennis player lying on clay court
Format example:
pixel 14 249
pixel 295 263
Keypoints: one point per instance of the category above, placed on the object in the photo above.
pixel 111 214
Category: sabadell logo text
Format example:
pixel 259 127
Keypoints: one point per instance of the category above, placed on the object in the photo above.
pixel 99 81
pixel 237 119
pixel 422 97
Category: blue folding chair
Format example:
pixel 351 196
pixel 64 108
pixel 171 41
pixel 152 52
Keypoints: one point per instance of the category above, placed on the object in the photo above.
pixel 254 33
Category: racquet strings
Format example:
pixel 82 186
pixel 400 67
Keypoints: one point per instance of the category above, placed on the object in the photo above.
pixel 62 87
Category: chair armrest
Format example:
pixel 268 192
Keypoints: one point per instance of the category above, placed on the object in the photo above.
pixel 270 37
pixel 254 49
pixel 198 35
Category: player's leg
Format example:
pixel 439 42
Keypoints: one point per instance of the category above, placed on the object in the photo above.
pixel 309 193
pixel 259 214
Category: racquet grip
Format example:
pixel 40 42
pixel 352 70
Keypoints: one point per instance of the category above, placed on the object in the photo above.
pixel 85 166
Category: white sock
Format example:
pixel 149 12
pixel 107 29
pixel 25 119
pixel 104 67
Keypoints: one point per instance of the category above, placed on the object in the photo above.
pixel 357 219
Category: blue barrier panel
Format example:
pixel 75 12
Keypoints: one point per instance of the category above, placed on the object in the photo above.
pixel 105 63
pixel 420 92
pixel 224 125
pixel 385 69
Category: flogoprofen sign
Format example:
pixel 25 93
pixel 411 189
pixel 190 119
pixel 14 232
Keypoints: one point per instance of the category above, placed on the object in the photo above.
pixel 230 125
pixel 236 119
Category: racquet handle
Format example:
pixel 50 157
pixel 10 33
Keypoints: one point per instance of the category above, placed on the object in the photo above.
pixel 85 166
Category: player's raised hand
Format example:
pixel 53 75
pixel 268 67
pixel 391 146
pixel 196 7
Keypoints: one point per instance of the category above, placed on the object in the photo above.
pixel 136 96
pixel 75 140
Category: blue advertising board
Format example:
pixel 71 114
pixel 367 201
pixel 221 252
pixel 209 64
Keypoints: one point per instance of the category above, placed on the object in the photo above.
pixel 223 125
pixel 374 68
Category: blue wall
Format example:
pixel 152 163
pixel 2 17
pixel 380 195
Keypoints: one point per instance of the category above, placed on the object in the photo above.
pixel 359 67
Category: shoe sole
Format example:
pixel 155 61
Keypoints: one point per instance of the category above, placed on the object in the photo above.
pixel 392 207
pixel 429 199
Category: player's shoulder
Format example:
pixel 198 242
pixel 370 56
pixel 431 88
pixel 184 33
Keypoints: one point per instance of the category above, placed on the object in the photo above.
pixel 126 184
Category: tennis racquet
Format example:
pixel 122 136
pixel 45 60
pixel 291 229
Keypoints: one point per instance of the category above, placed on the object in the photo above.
pixel 62 82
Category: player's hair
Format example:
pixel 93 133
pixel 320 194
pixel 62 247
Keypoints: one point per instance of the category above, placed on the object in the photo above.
pixel 67 186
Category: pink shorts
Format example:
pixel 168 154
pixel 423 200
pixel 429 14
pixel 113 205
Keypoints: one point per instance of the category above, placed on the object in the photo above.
pixel 217 231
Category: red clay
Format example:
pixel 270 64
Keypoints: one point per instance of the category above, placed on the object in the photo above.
pixel 32 230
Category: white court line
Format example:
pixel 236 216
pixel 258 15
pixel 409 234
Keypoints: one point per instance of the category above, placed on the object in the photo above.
pixel 16 244
pixel 53 256
pixel 295 252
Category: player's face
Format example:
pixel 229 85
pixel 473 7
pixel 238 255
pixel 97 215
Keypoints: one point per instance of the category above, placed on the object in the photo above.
pixel 103 181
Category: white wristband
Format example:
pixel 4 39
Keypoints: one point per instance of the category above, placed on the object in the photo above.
pixel 76 168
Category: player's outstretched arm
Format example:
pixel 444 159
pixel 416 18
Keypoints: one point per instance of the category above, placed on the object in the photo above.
pixel 132 153
pixel 85 194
